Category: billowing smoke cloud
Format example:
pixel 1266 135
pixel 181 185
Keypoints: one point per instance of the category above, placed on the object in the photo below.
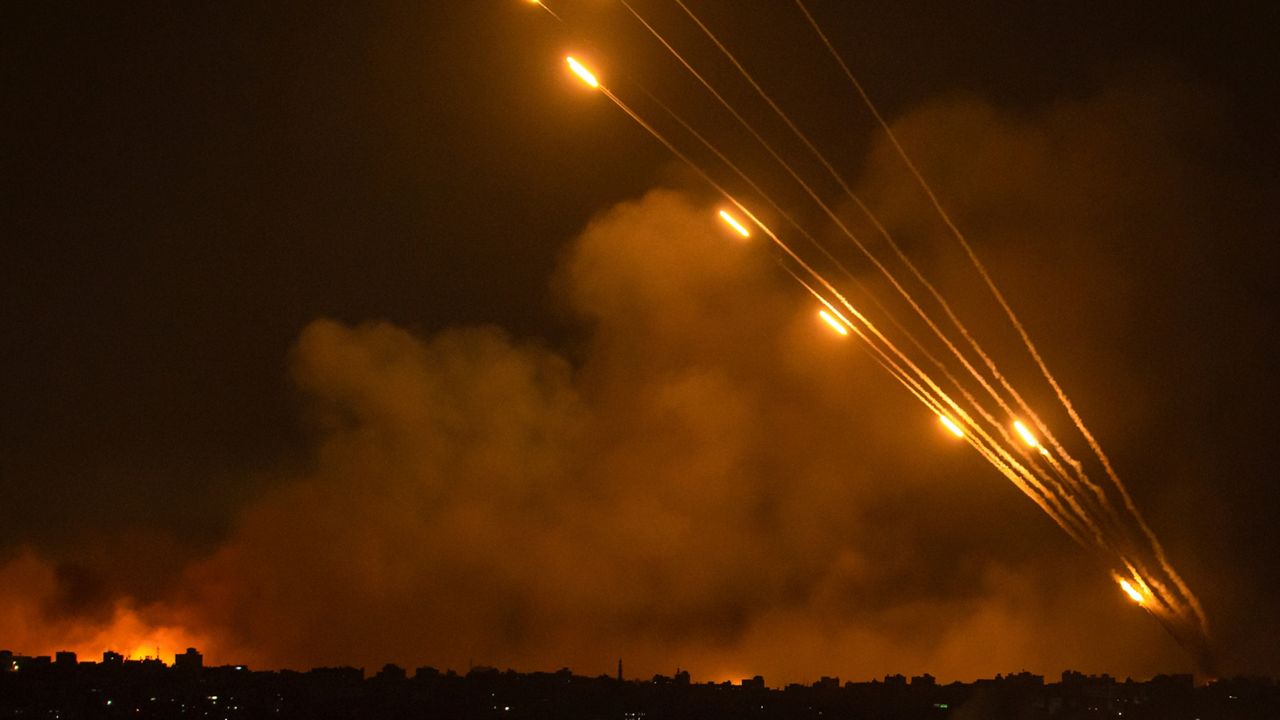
pixel 720 483
pixel 711 480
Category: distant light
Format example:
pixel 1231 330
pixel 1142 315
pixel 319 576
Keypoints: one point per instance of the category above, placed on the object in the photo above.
pixel 952 426
pixel 1131 592
pixel 835 324
pixel 732 222
pixel 1027 437
pixel 582 72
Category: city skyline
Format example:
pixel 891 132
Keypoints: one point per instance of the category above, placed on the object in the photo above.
pixel 144 689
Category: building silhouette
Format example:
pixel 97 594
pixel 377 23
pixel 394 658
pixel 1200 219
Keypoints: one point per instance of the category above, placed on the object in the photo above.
pixel 41 687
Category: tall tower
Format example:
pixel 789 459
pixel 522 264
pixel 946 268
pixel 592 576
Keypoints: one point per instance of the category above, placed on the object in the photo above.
pixel 619 669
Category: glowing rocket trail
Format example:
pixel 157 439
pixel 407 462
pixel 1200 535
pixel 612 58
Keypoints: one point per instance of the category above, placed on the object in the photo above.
pixel 1059 492
pixel 590 79
pixel 816 198
pixel 1025 434
pixel 1096 447
pixel 543 5
pixel 951 425
pixel 821 248
pixel 1054 495
pixel 799 228
pixel 582 72
pixel 1133 594
pixel 835 324
pixel 732 222
pixel 871 216
pixel 893 280
pixel 935 399
pixel 1021 477
pixel 995 455
pixel 946 307
pixel 1026 480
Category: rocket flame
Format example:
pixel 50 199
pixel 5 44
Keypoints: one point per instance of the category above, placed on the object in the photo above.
pixel 951 425
pixel 732 222
pixel 1131 592
pixel 1025 434
pixel 835 324
pixel 582 72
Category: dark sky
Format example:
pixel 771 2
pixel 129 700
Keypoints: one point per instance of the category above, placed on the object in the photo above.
pixel 203 208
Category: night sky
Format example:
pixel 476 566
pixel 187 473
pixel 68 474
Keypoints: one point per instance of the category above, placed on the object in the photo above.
pixel 363 333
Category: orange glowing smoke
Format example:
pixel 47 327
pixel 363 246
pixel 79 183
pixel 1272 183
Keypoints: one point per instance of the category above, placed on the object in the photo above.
pixel 125 627
pixel 132 636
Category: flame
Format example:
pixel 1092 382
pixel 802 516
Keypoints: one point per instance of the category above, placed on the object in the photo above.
pixel 952 426
pixel 1131 592
pixel 582 72
pixel 135 638
pixel 732 222
pixel 1027 437
pixel 835 324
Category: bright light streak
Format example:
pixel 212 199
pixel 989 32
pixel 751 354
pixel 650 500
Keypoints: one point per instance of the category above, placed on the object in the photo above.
pixel 550 12
pixel 834 323
pixel 1026 435
pixel 1131 592
pixel 732 222
pixel 951 425
pixel 582 72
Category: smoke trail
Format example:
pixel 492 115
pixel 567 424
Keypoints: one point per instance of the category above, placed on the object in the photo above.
pixel 866 252
pixel 1060 510
pixel 978 265
pixel 1058 498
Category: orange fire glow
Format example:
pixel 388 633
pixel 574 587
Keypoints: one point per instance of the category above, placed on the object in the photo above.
pixel 133 637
